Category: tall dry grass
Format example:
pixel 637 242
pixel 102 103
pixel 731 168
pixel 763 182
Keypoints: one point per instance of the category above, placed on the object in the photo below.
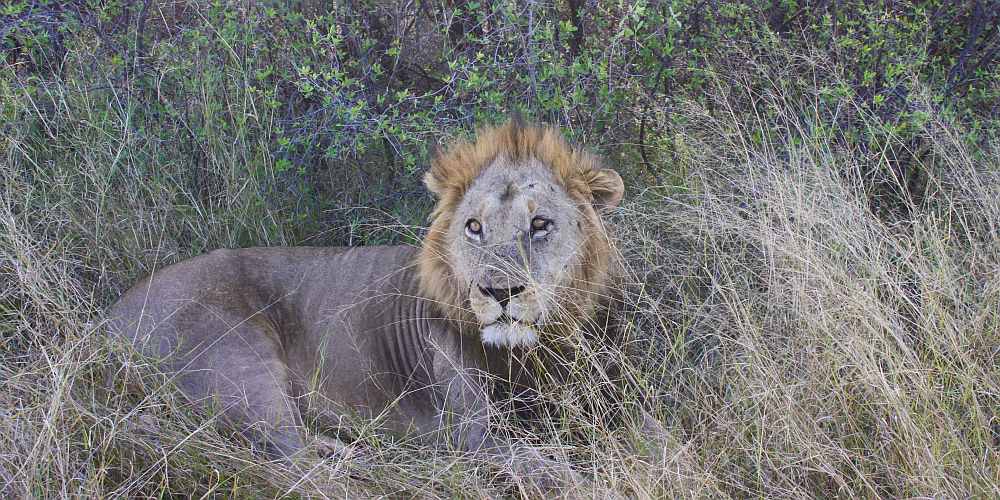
pixel 813 347
pixel 797 342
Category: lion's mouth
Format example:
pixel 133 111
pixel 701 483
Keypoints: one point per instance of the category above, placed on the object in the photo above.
pixel 512 334
pixel 505 319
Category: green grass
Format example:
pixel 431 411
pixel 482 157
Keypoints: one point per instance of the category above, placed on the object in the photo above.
pixel 812 268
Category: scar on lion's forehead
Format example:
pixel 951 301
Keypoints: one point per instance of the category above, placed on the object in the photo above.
pixel 508 192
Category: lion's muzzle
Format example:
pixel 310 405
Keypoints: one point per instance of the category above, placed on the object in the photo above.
pixel 502 295
pixel 508 315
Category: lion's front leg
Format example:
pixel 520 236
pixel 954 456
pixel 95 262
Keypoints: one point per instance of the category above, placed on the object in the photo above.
pixel 466 417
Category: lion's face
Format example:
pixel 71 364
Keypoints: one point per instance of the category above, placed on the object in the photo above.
pixel 515 241
pixel 516 246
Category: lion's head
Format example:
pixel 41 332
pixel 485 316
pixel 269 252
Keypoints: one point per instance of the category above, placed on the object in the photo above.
pixel 516 246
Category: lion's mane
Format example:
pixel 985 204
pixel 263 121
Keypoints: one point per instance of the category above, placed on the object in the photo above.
pixel 453 171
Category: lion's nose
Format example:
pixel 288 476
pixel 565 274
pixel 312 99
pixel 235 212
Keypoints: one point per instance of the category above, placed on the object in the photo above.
pixel 502 295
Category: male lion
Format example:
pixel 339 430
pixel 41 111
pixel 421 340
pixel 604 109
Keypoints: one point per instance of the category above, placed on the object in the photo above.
pixel 515 257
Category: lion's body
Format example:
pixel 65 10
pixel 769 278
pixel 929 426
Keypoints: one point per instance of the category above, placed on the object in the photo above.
pixel 281 335
pixel 277 338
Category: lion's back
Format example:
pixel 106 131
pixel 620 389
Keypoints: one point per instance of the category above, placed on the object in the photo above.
pixel 243 283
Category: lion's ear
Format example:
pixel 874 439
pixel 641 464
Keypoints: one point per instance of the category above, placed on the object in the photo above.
pixel 607 187
pixel 433 184
pixel 432 179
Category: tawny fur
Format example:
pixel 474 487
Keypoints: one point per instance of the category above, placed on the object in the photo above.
pixel 246 331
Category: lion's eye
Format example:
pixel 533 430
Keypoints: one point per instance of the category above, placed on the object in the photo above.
pixel 474 228
pixel 540 225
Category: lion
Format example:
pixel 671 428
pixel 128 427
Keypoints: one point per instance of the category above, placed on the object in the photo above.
pixel 516 257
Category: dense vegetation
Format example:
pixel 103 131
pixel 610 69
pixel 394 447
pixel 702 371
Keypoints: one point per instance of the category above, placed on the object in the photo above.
pixel 811 237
